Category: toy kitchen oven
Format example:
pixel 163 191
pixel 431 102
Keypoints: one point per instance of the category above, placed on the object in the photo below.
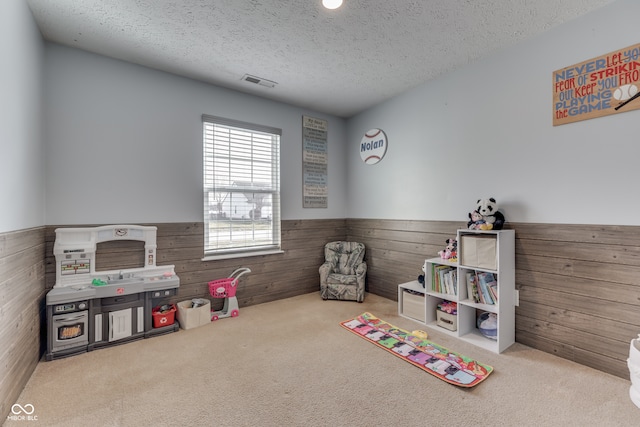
pixel 89 309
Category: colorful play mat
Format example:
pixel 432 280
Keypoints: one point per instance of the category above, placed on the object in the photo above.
pixel 414 348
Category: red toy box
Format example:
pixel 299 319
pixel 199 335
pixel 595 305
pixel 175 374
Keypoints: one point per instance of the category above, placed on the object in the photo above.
pixel 163 315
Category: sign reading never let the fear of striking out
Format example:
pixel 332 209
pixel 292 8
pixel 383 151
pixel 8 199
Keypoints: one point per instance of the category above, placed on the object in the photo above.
pixel 608 84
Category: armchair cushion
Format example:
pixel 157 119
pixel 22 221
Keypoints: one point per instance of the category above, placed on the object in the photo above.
pixel 342 276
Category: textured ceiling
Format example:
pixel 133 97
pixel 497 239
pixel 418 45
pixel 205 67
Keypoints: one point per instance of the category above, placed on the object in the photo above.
pixel 338 62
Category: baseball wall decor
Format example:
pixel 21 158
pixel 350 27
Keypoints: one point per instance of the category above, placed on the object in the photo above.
pixel 373 146
pixel 598 87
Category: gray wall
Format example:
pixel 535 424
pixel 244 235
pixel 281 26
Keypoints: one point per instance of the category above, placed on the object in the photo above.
pixel 21 148
pixel 124 143
pixel 22 175
pixel 128 136
pixel 486 130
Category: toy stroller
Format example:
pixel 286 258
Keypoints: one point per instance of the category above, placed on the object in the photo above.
pixel 226 288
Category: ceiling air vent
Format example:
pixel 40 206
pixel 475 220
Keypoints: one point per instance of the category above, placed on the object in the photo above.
pixel 258 80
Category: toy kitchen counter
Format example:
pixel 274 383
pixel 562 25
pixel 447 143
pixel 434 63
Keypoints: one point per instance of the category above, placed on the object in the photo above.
pixel 86 309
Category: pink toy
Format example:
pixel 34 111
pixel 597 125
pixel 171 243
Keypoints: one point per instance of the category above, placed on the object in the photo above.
pixel 450 251
pixel 450 307
pixel 226 288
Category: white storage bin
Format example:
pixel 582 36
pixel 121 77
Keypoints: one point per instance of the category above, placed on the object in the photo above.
pixel 190 317
pixel 413 306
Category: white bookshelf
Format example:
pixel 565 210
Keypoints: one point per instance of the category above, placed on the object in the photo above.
pixel 468 310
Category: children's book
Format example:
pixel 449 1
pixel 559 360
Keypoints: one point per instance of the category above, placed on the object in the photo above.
pixel 472 287
pixel 485 281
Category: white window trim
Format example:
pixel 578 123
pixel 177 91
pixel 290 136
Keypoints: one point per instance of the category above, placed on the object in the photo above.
pixel 241 255
pixel 228 253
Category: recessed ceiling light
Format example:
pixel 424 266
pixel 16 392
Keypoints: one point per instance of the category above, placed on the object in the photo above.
pixel 332 4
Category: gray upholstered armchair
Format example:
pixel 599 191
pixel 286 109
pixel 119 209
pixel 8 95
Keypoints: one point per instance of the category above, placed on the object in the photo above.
pixel 343 273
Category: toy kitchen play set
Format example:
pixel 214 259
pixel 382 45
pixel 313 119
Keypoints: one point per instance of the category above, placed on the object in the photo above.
pixel 87 310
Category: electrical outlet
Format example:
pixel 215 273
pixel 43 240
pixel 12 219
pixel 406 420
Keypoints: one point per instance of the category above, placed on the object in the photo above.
pixel 517 298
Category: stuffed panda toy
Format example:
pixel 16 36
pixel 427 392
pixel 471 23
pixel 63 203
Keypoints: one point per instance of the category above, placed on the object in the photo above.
pixel 488 208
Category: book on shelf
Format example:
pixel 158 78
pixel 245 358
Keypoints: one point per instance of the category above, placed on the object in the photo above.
pixel 493 289
pixel 482 287
pixel 453 282
pixel 472 287
pixel 443 279
pixel 487 281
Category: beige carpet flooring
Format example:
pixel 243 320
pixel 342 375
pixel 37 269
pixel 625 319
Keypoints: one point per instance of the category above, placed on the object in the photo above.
pixel 289 363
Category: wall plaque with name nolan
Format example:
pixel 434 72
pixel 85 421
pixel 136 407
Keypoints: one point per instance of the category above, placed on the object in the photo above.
pixel 373 146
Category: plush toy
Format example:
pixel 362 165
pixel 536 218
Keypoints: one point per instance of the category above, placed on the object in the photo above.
pixel 478 222
pixel 450 251
pixel 421 277
pixel 450 307
pixel 452 244
pixel 475 221
pixel 493 218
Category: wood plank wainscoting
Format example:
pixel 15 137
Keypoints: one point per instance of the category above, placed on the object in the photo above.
pixel 273 277
pixel 579 284
pixel 22 314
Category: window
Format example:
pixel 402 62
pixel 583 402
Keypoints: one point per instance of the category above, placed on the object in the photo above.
pixel 241 187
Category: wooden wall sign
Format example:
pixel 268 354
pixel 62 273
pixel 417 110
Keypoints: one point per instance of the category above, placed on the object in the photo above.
pixel 601 86
pixel 315 159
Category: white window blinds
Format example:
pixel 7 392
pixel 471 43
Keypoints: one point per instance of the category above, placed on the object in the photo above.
pixel 241 186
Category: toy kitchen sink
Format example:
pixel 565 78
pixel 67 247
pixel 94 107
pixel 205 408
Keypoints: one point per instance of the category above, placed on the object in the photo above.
pixel 89 309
